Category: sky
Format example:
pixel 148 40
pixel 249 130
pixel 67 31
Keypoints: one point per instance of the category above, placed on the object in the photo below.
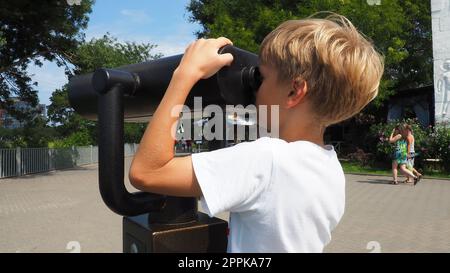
pixel 164 23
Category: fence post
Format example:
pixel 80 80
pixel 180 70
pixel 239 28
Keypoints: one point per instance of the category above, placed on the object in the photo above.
pixel 74 158
pixel 92 156
pixel 18 162
pixel 49 159
pixel 52 160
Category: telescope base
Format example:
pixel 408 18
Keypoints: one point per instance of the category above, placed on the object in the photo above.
pixel 201 236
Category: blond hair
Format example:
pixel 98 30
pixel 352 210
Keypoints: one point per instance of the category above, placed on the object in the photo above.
pixel 342 69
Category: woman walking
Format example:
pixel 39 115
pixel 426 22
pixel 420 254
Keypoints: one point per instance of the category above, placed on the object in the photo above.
pixel 400 154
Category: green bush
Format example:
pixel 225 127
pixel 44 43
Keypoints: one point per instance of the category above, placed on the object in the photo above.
pixel 383 150
pixel 80 138
pixel 430 142
pixel 438 145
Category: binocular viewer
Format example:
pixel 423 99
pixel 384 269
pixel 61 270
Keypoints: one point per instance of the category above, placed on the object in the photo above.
pixel 132 93
pixel 145 83
pixel 156 223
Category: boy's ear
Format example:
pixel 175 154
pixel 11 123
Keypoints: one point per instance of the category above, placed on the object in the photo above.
pixel 299 88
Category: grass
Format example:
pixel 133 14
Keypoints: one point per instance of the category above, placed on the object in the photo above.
pixel 351 167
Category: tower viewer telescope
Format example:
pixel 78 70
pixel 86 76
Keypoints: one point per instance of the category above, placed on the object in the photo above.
pixel 156 223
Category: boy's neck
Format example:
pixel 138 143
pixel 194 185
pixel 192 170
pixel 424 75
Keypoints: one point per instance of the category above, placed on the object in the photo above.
pixel 295 130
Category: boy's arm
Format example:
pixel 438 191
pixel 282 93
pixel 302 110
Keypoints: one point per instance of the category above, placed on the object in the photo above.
pixel 154 167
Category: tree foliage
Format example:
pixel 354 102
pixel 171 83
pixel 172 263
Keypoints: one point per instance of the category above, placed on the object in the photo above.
pixel 102 52
pixel 35 133
pixel 400 29
pixel 32 31
pixel 430 142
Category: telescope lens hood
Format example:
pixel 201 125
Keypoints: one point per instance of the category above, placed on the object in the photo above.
pixel 239 81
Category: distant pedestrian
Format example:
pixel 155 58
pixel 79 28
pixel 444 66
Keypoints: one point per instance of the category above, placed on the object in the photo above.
pixel 400 154
pixel 411 152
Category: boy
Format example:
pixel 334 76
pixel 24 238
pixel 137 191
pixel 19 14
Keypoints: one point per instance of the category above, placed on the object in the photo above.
pixel 284 194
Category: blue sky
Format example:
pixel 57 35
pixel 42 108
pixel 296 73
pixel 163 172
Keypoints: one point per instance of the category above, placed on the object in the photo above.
pixel 164 23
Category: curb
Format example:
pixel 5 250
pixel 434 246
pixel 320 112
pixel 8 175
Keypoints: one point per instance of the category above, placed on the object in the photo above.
pixel 387 175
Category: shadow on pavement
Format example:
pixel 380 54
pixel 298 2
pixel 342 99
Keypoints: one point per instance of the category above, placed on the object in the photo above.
pixel 50 173
pixel 376 181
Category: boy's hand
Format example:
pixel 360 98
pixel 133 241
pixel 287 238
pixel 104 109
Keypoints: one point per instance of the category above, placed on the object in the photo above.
pixel 201 59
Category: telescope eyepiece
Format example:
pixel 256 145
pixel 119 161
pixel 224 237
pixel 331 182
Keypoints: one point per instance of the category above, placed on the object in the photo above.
pixel 251 77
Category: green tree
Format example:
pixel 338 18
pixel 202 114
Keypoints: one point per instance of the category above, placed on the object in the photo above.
pixel 133 132
pixel 103 52
pixel 34 133
pixel 32 31
pixel 400 29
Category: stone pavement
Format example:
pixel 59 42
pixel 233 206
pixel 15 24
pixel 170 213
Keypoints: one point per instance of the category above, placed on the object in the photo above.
pixel 62 211
pixel 394 218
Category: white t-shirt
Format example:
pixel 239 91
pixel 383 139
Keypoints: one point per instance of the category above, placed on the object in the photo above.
pixel 282 197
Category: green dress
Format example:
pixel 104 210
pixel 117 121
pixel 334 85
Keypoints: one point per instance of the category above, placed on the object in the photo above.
pixel 400 154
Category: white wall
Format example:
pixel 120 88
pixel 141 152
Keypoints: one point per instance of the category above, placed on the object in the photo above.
pixel 440 10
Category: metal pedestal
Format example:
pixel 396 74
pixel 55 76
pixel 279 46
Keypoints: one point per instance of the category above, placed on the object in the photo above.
pixel 203 235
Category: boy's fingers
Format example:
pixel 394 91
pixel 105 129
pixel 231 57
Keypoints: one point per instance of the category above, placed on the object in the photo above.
pixel 226 59
pixel 222 41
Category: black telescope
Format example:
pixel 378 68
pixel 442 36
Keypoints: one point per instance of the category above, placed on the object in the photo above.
pixel 156 223
pixel 146 83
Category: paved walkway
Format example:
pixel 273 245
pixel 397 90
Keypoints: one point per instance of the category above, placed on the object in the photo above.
pixel 394 218
pixel 61 211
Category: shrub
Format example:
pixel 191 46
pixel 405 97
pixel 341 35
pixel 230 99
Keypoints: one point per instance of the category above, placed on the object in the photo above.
pixel 383 150
pixel 79 138
pixel 438 145
pixel 431 142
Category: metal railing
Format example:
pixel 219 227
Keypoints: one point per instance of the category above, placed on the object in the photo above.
pixel 23 161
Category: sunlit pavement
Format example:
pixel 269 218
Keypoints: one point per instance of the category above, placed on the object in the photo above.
pixel 381 217
pixel 62 212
